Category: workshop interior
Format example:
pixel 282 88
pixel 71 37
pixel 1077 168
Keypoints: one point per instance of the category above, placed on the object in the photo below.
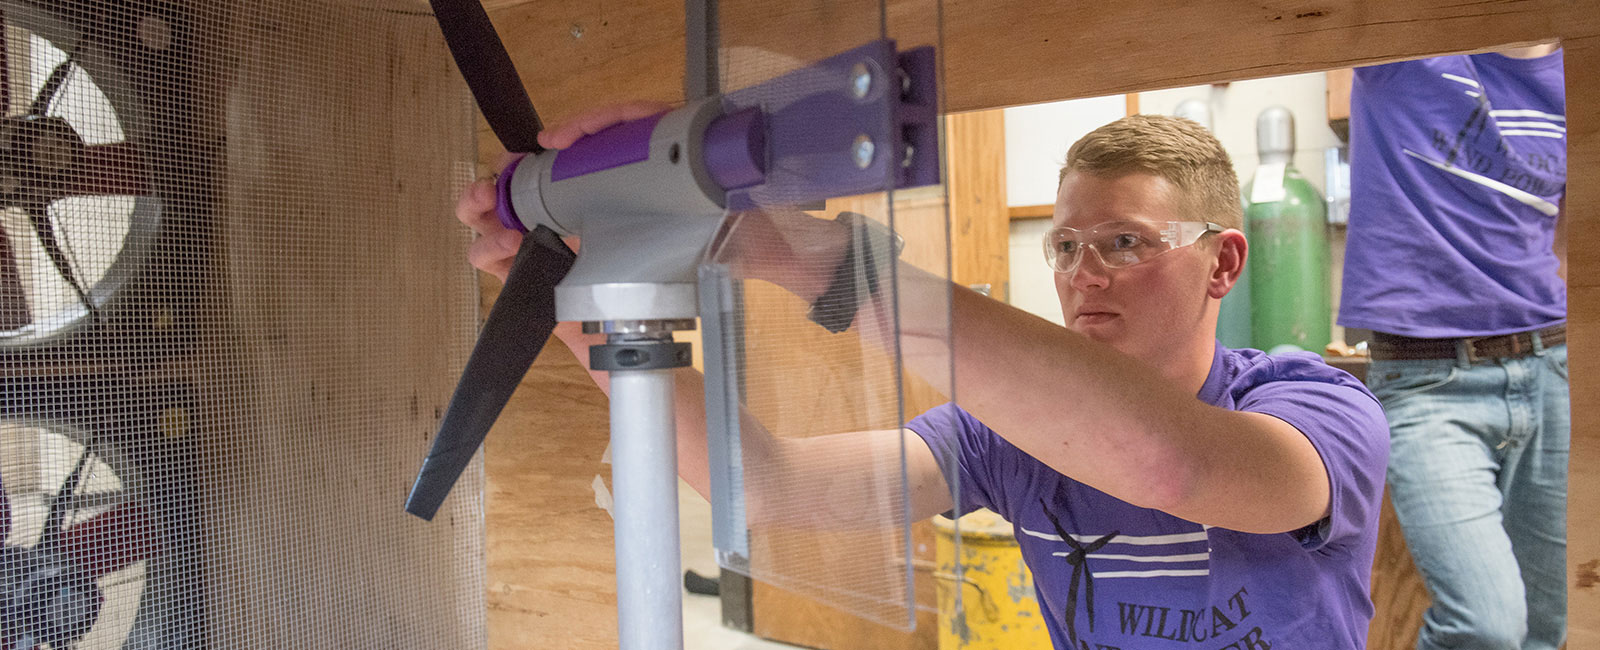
pixel 252 394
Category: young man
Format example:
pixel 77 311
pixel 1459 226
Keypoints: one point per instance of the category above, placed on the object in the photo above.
pixel 1164 489
pixel 1458 166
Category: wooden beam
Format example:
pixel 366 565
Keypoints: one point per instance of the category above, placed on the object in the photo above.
pixel 979 227
pixel 1022 212
pixel 1066 50
pixel 1339 82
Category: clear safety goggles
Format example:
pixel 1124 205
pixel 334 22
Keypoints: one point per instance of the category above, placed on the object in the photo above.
pixel 1121 244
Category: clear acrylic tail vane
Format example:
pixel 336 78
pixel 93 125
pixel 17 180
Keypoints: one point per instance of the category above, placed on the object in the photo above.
pixel 647 197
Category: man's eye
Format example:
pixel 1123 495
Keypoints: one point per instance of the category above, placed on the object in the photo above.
pixel 1126 241
pixel 1067 247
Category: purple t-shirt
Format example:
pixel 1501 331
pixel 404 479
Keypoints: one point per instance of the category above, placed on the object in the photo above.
pixel 1457 169
pixel 1130 577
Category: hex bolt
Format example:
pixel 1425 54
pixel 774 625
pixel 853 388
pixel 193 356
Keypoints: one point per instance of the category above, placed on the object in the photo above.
pixel 862 151
pixel 860 80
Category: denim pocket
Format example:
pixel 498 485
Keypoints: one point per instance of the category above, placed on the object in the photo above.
pixel 1397 379
pixel 1558 360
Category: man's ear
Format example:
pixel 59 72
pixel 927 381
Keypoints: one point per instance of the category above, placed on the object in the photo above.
pixel 1231 250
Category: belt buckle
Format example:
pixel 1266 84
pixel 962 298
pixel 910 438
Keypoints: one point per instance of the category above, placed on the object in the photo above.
pixel 1517 346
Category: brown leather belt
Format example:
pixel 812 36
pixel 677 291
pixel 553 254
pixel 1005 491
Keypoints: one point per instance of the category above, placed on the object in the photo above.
pixel 1479 348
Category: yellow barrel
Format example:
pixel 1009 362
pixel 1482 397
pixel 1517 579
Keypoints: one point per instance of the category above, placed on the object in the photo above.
pixel 999 609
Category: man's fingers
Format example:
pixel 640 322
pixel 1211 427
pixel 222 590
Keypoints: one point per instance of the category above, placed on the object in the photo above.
pixel 475 208
pixel 494 248
pixel 597 120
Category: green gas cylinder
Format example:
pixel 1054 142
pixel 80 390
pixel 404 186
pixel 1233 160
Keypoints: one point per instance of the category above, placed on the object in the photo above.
pixel 1286 224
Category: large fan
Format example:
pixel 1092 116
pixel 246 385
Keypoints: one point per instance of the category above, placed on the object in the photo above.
pixel 97 511
pixel 97 505
pixel 78 201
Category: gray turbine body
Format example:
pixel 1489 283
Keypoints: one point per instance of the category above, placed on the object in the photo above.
pixel 642 245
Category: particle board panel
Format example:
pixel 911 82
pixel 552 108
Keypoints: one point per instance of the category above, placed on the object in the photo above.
pixel 551 572
pixel 1583 346
pixel 1398 595
pixel 1583 492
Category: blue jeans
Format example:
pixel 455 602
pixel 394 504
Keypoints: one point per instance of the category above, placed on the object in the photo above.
pixel 1478 477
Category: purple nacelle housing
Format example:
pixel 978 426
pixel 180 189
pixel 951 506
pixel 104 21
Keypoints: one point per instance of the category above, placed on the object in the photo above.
pixel 794 140
pixel 614 146
pixel 733 150
pixel 736 149
pixel 502 195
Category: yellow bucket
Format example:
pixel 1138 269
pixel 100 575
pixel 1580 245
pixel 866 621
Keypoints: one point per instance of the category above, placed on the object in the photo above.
pixel 1001 610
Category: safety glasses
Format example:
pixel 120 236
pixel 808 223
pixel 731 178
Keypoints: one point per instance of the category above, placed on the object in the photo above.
pixel 1121 244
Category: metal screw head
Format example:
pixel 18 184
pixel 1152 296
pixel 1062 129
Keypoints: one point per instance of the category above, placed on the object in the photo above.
pixel 862 150
pixel 860 80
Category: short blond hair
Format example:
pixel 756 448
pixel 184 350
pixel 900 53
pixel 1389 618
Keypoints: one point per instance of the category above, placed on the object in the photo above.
pixel 1178 150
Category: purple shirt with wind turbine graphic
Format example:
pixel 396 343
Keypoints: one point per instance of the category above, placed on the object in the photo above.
pixel 1456 183
pixel 1110 574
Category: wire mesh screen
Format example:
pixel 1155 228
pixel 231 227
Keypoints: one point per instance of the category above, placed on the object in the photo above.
pixel 822 459
pixel 232 309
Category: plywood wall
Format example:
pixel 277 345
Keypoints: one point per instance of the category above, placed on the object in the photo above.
pixel 999 53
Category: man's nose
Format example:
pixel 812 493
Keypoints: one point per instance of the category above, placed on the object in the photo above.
pixel 1091 271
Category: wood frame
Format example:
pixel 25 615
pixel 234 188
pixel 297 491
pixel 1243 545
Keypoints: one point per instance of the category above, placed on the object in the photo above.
pixel 998 53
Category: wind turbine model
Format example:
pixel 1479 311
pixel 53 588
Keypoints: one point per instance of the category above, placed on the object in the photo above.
pixel 647 197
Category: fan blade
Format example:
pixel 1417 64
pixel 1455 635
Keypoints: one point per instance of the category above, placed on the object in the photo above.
pixel 487 67
pixel 112 540
pixel 14 312
pixel 58 506
pixel 107 169
pixel 517 328
pixel 52 85
pixel 39 216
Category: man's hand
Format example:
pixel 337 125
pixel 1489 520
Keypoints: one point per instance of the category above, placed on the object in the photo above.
pixel 786 247
pixel 495 245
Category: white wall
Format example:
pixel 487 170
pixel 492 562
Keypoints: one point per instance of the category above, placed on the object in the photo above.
pixel 1234 108
pixel 1032 288
pixel 1037 138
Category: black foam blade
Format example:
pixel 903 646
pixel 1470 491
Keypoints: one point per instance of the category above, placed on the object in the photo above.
pixel 487 67
pixel 518 326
